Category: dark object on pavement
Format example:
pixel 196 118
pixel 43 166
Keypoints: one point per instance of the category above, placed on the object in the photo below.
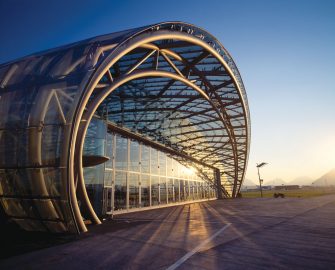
pixel 279 195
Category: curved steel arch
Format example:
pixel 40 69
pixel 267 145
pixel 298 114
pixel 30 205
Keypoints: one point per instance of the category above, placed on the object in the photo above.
pixel 82 72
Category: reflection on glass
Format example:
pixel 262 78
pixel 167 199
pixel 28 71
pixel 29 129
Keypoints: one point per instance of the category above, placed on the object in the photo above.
pixel 108 178
pixel 176 190
pixel 170 190
pixel 109 150
pixel 121 155
pixel 187 190
pixel 95 138
pixel 94 178
pixel 196 185
pixel 154 190
pixel 182 190
pixel 120 196
pixel 162 163
pixel 174 165
pixel 134 196
pixel 145 190
pixel 154 161
pixel 134 161
pixel 145 159
pixel 201 190
pixel 163 195
pixel 153 177
pixel 169 168
pixel 206 191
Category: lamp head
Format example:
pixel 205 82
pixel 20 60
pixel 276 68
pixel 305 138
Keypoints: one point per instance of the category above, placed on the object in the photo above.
pixel 261 164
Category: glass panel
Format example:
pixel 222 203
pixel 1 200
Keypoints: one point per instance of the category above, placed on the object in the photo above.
pixel 145 190
pixel 145 159
pixel 108 179
pixel 134 161
pixel 163 195
pixel 52 136
pixel 134 195
pixel 120 197
pixel 154 190
pixel 19 182
pixel 194 196
pixel 169 171
pixel 176 190
pixel 197 190
pixel 182 190
pixel 30 225
pixel 154 161
pixel 191 190
pixel 187 191
pixel 108 194
pixel 162 164
pixel 183 172
pixel 206 190
pixel 170 190
pixel 95 138
pixel 32 208
pixel 55 226
pixel 121 156
pixel 174 168
pixel 94 180
pixel 109 150
pixel 13 207
pixel 202 194
pixel 9 145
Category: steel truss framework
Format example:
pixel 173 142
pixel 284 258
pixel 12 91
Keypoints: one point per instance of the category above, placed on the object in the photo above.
pixel 171 84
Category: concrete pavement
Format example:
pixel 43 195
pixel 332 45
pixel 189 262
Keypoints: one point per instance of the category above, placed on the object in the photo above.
pixel 289 233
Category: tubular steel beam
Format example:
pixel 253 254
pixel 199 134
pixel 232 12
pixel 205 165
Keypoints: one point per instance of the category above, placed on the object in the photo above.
pixel 121 50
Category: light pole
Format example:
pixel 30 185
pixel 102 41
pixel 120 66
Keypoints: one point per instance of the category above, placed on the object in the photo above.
pixel 259 176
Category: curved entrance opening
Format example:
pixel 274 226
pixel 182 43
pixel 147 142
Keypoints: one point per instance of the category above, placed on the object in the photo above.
pixel 135 141
pixel 171 88
pixel 165 94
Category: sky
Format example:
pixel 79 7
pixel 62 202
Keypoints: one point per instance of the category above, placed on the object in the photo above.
pixel 285 51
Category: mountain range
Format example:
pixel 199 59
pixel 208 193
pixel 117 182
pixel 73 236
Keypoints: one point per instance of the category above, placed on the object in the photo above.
pixel 325 180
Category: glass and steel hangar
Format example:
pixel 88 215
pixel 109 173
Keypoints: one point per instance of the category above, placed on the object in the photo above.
pixel 143 118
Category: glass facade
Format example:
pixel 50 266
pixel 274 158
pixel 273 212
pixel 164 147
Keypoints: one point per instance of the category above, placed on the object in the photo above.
pixel 141 176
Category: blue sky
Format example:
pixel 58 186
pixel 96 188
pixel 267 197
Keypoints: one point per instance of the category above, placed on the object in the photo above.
pixel 285 51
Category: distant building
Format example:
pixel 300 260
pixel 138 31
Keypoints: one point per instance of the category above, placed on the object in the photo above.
pixel 286 187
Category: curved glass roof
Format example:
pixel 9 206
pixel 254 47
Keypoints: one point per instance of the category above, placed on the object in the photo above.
pixel 167 111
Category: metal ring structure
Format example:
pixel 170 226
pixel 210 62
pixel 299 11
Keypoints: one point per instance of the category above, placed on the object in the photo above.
pixel 194 82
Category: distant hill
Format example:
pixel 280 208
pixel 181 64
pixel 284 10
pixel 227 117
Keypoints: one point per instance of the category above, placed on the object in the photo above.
pixel 275 182
pixel 302 180
pixel 248 182
pixel 326 179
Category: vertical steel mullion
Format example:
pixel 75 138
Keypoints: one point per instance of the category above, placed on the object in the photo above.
pixel 189 186
pixel 150 199
pixel 166 181
pixel 178 174
pixel 173 182
pixel 127 173
pixel 113 166
pixel 140 177
pixel 159 179
pixel 104 190
pixel 173 187
pixel 197 189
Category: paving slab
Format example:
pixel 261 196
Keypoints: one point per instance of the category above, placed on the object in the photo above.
pixel 289 233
